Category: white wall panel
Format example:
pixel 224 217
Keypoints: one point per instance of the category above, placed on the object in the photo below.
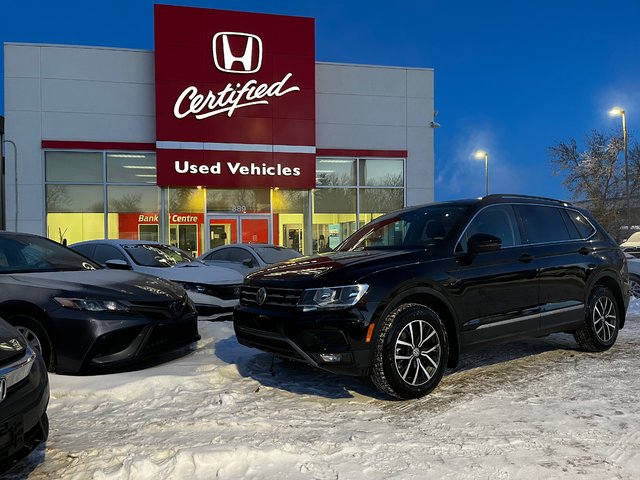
pixel 22 93
pixel 360 80
pixel 98 128
pixel 21 61
pixel 419 112
pixel 420 83
pixel 81 96
pixel 101 64
pixel 360 137
pixel 360 109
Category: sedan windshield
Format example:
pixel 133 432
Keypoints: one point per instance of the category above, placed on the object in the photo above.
pixel 276 254
pixel 26 253
pixel 417 228
pixel 154 255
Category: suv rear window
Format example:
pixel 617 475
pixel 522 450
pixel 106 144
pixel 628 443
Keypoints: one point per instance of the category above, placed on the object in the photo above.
pixel 580 223
pixel 543 224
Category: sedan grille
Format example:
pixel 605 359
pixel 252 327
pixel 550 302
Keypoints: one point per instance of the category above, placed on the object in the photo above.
pixel 162 309
pixel 275 297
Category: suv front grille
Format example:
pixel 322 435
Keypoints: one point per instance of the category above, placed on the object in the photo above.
pixel 276 297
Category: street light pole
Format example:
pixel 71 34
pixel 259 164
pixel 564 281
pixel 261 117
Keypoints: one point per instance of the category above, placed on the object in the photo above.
pixel 481 154
pixel 619 111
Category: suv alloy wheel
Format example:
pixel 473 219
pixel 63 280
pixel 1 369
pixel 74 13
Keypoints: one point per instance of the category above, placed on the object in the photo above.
pixel 411 352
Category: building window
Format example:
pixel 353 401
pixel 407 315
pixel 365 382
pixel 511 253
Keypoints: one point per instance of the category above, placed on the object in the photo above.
pixel 351 192
pixel 290 208
pixel 93 195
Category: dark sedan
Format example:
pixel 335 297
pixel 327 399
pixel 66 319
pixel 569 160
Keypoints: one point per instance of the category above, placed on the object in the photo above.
pixel 24 396
pixel 81 316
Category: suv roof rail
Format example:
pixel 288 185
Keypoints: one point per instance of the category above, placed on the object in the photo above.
pixel 530 197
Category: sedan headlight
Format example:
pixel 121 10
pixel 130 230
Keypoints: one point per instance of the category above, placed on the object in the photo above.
pixel 328 298
pixel 194 287
pixel 91 305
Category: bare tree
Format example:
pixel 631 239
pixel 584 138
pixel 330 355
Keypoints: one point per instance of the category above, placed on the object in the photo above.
pixel 596 175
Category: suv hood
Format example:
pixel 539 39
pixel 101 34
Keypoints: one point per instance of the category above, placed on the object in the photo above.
pixel 101 284
pixel 196 273
pixel 358 263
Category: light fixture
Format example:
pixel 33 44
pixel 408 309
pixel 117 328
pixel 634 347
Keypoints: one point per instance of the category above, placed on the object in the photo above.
pixel 482 155
pixel 619 112
pixel 616 112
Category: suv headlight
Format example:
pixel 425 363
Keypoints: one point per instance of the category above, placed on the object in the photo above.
pixel 328 298
pixel 91 305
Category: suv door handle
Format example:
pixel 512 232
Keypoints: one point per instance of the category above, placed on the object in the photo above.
pixel 583 251
pixel 525 258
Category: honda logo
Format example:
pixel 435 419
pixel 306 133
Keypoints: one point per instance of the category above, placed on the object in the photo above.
pixel 3 388
pixel 233 52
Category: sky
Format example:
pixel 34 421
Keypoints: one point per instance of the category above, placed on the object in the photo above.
pixel 511 77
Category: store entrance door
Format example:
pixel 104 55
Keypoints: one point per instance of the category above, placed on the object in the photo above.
pixel 226 229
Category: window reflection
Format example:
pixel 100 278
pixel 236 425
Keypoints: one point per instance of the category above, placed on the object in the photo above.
pixel 131 168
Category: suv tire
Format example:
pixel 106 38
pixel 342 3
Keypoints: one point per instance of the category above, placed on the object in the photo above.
pixel 37 337
pixel 601 323
pixel 411 352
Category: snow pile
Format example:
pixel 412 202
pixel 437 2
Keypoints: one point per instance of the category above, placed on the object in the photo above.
pixel 540 408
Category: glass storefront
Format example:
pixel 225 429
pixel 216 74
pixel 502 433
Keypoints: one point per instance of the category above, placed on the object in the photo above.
pixel 91 195
pixel 350 193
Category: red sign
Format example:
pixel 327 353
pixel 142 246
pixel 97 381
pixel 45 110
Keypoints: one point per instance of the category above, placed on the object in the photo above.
pixel 235 99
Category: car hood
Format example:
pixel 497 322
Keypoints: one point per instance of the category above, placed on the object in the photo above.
pixel 104 283
pixel 308 269
pixel 196 272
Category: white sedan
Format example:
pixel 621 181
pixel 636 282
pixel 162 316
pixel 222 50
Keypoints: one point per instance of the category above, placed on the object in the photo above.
pixel 214 290
pixel 248 257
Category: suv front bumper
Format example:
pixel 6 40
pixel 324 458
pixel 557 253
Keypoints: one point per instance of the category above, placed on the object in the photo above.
pixel 23 419
pixel 332 340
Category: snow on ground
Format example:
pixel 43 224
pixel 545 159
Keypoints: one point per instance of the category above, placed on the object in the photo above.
pixel 539 408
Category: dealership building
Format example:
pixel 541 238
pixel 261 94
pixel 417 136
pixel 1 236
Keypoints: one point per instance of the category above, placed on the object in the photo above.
pixel 229 131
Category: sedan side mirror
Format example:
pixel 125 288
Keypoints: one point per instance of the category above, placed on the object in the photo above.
pixel 483 242
pixel 247 262
pixel 117 265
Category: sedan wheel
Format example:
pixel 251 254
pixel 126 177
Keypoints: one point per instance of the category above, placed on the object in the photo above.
pixel 37 336
pixel 634 286
pixel 31 337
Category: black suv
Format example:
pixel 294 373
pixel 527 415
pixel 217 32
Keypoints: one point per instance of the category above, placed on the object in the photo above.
pixel 402 297
pixel 24 396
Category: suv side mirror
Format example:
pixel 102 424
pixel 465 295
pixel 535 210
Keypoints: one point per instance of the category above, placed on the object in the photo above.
pixel 483 242
pixel 117 265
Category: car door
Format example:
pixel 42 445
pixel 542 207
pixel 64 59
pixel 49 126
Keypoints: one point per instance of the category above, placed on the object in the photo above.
pixel 495 292
pixel 563 261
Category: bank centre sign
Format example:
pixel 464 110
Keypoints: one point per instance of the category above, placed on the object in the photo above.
pixel 235 99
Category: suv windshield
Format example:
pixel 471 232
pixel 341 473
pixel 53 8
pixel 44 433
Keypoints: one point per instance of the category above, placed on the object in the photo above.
pixel 153 255
pixel 419 228
pixel 26 253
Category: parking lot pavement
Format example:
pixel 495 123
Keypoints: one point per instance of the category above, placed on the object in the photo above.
pixel 538 408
